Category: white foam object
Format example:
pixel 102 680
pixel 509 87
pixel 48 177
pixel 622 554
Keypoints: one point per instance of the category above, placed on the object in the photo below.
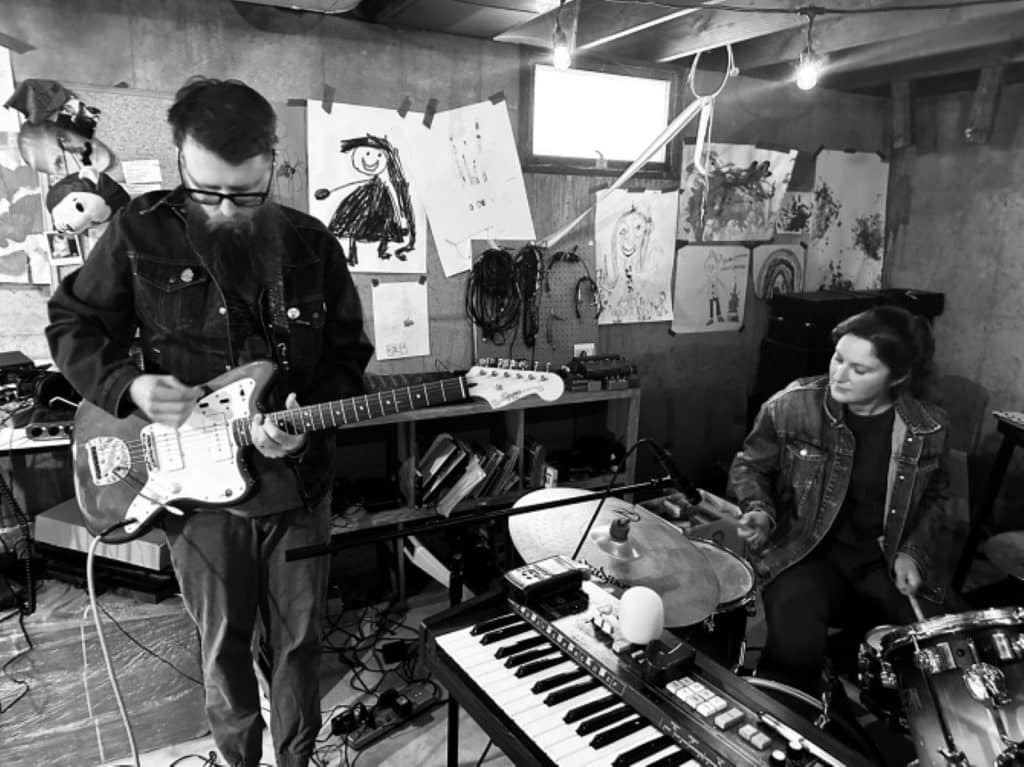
pixel 641 615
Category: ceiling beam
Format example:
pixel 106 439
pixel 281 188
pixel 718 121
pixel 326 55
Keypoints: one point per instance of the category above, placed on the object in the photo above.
pixel 836 32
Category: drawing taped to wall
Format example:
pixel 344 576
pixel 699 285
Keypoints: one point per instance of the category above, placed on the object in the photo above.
pixel 710 288
pixel 635 234
pixel 847 243
pixel 795 213
pixel 24 256
pixel 778 268
pixel 359 188
pixel 739 198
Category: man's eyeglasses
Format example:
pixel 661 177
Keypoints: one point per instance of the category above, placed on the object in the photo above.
pixel 241 199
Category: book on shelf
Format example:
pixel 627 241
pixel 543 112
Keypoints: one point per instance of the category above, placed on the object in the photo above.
pixel 458 491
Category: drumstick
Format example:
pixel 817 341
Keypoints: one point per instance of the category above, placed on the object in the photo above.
pixel 713 505
pixel 917 607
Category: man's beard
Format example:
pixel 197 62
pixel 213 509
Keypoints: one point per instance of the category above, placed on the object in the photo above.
pixel 241 252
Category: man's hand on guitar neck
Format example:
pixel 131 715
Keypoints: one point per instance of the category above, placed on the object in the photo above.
pixel 164 399
pixel 273 441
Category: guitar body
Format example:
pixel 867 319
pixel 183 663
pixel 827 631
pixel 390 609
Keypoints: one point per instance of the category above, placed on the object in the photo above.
pixel 130 469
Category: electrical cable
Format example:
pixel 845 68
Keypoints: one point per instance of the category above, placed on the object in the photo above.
pixel 484 754
pixel 493 296
pixel 529 262
pixel 4 669
pixel 147 650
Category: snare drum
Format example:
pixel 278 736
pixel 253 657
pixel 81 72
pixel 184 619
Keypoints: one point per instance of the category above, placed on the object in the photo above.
pixel 879 692
pixel 965 671
pixel 721 635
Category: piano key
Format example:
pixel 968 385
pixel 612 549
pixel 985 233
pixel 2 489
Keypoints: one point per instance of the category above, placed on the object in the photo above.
pixel 522 645
pixel 618 732
pixel 558 680
pixel 648 748
pixel 556 713
pixel 585 710
pixel 644 735
pixel 509 631
pixel 602 720
pixel 494 623
pixel 679 759
pixel 535 667
pixel 673 752
pixel 519 659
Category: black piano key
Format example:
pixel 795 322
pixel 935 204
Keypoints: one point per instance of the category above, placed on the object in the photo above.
pixel 568 693
pixel 529 669
pixel 644 750
pixel 582 712
pixel 600 721
pixel 557 680
pixel 494 623
pixel 673 760
pixel 509 631
pixel 615 734
pixel 520 646
pixel 525 657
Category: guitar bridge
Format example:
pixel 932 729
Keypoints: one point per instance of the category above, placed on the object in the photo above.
pixel 109 460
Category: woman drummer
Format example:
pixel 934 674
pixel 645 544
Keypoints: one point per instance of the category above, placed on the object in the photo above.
pixel 845 497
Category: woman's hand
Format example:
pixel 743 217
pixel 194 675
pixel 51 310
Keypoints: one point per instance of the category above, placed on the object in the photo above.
pixel 754 527
pixel 908 578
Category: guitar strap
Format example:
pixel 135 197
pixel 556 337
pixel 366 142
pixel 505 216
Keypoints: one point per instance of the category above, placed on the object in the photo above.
pixel 279 329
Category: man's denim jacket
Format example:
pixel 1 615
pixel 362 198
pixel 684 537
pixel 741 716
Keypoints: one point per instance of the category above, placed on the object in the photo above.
pixel 795 465
pixel 144 274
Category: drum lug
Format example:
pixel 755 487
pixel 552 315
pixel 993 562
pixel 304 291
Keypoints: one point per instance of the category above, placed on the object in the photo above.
pixel 1008 649
pixel 987 685
pixel 935 660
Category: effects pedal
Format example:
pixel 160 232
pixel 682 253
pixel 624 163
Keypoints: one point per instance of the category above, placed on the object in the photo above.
pixel 395 707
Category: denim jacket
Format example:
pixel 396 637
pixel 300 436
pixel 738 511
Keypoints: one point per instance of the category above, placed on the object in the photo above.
pixel 144 275
pixel 795 465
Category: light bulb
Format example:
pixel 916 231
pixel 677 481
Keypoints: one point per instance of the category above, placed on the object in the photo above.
pixel 807 71
pixel 561 58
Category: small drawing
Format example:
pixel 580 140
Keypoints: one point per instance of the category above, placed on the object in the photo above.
pixel 62 247
pixel 379 208
pixel 712 285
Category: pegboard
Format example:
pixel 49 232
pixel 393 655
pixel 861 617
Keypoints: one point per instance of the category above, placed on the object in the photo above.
pixel 557 297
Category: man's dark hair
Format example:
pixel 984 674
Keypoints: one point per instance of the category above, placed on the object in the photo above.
pixel 226 116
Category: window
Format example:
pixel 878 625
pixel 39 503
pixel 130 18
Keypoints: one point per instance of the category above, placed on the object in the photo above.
pixel 579 119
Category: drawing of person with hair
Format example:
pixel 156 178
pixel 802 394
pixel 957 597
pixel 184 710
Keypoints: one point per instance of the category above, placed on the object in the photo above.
pixel 379 208
pixel 712 285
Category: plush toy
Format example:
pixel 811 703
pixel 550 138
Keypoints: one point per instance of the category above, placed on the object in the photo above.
pixel 83 200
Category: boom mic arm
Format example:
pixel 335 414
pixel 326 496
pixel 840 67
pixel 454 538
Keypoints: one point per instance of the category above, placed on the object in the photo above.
pixel 686 487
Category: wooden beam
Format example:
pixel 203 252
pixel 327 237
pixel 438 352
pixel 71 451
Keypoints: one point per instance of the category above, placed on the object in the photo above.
pixel 902 135
pixel 838 32
pixel 983 105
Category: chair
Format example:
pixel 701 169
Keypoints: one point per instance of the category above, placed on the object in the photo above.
pixel 966 403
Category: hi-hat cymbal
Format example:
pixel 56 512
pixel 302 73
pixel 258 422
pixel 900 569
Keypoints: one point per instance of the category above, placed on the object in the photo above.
pixel 654 553
pixel 1006 551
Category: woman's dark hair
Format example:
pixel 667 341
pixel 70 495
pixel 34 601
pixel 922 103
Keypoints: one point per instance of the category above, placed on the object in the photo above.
pixel 226 116
pixel 902 340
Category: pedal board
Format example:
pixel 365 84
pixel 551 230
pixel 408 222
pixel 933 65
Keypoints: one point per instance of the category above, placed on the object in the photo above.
pixel 410 701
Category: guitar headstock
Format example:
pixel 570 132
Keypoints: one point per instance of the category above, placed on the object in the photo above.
pixel 502 386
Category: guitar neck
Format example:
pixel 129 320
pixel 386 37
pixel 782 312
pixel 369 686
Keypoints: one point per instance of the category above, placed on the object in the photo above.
pixel 365 407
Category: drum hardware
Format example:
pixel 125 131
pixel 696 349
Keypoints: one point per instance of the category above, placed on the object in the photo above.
pixel 935 660
pixel 953 757
pixel 987 685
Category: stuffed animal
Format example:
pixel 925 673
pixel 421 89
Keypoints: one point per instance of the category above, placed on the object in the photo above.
pixel 83 200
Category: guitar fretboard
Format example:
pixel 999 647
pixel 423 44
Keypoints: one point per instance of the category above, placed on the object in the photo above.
pixel 366 407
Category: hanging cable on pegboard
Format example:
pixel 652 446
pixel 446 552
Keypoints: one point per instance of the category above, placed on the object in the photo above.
pixel 493 295
pixel 529 273
pixel 585 285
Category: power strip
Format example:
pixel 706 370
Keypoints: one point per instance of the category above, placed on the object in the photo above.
pixel 421 696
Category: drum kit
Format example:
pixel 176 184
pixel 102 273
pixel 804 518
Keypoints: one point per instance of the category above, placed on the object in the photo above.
pixel 954 684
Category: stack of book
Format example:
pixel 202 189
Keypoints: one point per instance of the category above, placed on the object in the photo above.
pixel 451 471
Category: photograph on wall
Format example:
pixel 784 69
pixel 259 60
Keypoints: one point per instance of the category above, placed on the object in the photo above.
pixel 467 158
pixel 24 255
pixel 634 235
pixel 710 288
pixel 794 215
pixel 401 326
pixel 778 268
pixel 739 197
pixel 360 188
pixel 847 238
pixel 62 247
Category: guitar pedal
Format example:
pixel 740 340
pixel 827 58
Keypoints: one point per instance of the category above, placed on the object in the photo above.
pixel 544 578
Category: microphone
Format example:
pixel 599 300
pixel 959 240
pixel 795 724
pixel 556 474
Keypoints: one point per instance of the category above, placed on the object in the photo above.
pixel 642 621
pixel 685 486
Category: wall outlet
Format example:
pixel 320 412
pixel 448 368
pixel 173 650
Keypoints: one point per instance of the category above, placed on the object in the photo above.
pixel 589 349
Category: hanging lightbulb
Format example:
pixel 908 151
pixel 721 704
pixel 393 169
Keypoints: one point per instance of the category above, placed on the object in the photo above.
pixel 561 56
pixel 809 68
pixel 807 71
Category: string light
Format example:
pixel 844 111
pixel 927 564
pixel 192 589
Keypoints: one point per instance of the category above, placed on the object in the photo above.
pixel 809 67
pixel 561 56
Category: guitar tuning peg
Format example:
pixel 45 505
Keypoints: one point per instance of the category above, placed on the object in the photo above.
pixel 536 366
pixel 547 367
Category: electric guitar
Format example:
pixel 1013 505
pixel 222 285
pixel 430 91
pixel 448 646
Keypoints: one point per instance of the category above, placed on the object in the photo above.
pixel 131 469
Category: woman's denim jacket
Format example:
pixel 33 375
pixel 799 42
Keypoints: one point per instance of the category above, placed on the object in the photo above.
pixel 795 466
pixel 144 274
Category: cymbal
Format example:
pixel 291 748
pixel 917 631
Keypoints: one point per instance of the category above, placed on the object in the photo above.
pixel 654 553
pixel 1006 551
